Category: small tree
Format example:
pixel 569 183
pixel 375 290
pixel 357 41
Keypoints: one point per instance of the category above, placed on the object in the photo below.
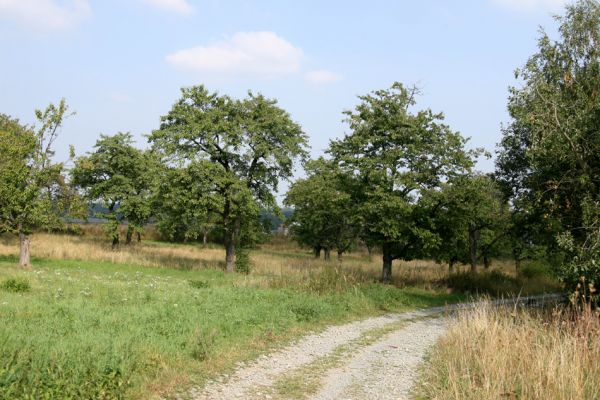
pixel 471 221
pixel 119 176
pixel 252 141
pixel 323 209
pixel 33 192
pixel 186 201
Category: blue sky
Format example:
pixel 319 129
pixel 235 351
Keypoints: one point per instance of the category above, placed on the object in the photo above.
pixel 120 63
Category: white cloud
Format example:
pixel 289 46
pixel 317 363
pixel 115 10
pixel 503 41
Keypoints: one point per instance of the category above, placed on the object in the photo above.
pixel 246 53
pixel 532 5
pixel 45 14
pixel 176 6
pixel 321 77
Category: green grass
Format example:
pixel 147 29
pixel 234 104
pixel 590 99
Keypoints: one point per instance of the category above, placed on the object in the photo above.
pixel 101 330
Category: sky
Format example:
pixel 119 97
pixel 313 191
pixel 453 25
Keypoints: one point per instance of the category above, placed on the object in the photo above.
pixel 120 64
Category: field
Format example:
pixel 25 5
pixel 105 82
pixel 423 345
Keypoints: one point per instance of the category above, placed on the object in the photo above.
pixel 152 318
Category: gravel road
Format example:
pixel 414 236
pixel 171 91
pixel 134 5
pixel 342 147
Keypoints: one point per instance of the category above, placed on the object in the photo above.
pixel 375 358
pixel 378 369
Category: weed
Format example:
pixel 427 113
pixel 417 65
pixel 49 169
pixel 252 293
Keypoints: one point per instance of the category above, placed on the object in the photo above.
pixel 15 285
pixel 199 284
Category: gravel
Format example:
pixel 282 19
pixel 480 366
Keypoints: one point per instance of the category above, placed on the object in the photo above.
pixel 254 380
pixel 386 369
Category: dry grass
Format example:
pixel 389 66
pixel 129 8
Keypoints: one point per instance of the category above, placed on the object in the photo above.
pixel 507 354
pixel 148 254
pixel 276 264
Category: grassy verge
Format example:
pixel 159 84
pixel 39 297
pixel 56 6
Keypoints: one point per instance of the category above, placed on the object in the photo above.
pixel 503 354
pixel 96 329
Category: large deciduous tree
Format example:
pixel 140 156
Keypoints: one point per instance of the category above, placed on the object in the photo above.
pixel 395 155
pixel 550 151
pixel 253 142
pixel 33 192
pixel 120 177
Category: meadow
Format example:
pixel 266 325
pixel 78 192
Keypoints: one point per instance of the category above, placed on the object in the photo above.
pixel 153 318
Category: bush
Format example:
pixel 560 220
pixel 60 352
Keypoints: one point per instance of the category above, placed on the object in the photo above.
pixel 534 270
pixel 199 284
pixel 15 285
pixel 494 283
pixel 243 265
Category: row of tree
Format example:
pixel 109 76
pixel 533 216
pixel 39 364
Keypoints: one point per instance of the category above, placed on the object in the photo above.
pixel 401 181
pixel 214 163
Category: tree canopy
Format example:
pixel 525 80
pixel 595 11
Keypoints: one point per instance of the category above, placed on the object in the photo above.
pixel 397 154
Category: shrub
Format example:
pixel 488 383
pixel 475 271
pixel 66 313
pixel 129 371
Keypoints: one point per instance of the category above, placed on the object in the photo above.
pixel 202 344
pixel 243 265
pixel 15 285
pixel 494 283
pixel 535 269
pixel 199 284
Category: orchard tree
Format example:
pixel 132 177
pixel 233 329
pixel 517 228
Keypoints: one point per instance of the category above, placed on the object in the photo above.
pixel 33 192
pixel 323 206
pixel 554 134
pixel 187 200
pixel 120 177
pixel 252 141
pixel 472 221
pixel 396 155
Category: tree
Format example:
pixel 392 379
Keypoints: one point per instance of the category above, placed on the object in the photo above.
pixel 323 204
pixel 395 156
pixel 119 176
pixel 471 221
pixel 33 192
pixel 186 200
pixel 253 142
pixel 555 133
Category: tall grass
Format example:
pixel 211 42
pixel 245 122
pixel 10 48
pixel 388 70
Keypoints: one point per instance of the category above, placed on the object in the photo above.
pixel 494 353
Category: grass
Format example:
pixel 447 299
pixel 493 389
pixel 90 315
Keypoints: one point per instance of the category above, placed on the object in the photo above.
pixel 509 354
pixel 151 319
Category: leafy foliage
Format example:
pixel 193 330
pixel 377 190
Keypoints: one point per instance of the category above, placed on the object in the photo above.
pixel 549 153
pixel 33 191
pixel 120 176
pixel 323 204
pixel 396 156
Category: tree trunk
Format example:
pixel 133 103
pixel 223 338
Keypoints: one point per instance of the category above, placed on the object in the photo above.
pixel 204 237
pixel 317 251
pixel 473 248
pixel 230 255
pixel 129 235
pixel 517 258
pixel 386 275
pixel 139 237
pixel 451 266
pixel 327 254
pixel 370 251
pixel 339 255
pixel 486 261
pixel 24 256
pixel 115 241
pixel 230 244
